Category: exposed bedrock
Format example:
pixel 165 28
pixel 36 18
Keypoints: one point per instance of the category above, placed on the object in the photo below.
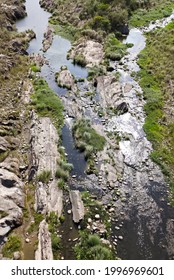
pixel 44 251
pixel 77 206
pixel 12 202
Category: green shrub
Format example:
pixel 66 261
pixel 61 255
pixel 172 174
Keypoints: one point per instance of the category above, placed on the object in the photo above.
pixel 80 60
pixel 12 245
pixel 44 176
pixel 61 184
pixel 3 214
pixel 35 68
pixel 62 174
pixel 87 139
pixel 91 248
pixel 114 49
pixel 62 219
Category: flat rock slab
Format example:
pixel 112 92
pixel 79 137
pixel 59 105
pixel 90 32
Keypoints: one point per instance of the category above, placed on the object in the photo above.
pixel 77 206
pixel 44 251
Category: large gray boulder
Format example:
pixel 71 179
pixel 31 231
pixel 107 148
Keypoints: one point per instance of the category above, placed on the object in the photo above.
pixel 77 206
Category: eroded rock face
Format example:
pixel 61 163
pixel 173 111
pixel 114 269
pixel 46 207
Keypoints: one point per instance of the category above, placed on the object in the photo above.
pixel 77 206
pixel 44 251
pixel 110 90
pixel 14 12
pixel 44 156
pixel 44 140
pixel 48 197
pixel 12 202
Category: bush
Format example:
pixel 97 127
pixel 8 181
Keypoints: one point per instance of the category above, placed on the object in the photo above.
pixel 61 184
pixel 114 49
pixel 80 60
pixel 12 245
pixel 44 177
pixel 91 248
pixel 87 139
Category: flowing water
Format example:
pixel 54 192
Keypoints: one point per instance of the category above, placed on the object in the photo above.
pixel 136 244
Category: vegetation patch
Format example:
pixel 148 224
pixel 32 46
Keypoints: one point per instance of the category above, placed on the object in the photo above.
pixel 47 103
pixel 12 245
pixel 91 248
pixel 95 72
pixel 38 218
pixel 62 172
pixel 53 225
pixel 3 156
pixel 44 176
pixel 3 214
pixel 88 141
pixel 35 68
pixel 79 59
pixel 156 10
pixel 114 49
pixel 157 81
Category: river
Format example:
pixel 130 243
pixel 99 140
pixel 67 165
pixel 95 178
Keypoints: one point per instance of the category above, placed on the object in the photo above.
pixel 147 216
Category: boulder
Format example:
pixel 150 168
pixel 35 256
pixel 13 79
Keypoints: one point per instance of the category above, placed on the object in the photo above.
pixel 77 206
pixel 65 79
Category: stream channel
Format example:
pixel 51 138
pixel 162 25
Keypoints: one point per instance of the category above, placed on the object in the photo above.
pixel 146 233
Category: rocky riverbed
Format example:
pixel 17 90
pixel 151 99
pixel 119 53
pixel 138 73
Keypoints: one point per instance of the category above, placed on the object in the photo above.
pixel 129 185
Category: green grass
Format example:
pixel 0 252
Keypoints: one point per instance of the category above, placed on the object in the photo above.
pixel 44 176
pixel 3 156
pixel 35 68
pixel 38 218
pixel 156 80
pixel 91 248
pixel 62 172
pixel 12 245
pixel 3 214
pixel 79 59
pixel 95 71
pixel 47 103
pixel 87 140
pixel 160 10
pixel 53 225
pixel 114 49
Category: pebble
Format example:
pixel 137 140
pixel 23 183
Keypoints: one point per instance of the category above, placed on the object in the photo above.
pixel 117 228
pixel 27 240
pixel 120 237
pixel 97 216
pixel 69 212
pixel 89 220
pixel 75 239
pixel 111 210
